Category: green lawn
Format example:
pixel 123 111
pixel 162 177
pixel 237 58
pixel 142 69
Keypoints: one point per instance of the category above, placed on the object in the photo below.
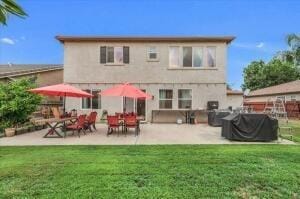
pixel 231 171
pixel 295 125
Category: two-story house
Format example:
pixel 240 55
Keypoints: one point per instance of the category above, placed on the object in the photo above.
pixel 180 72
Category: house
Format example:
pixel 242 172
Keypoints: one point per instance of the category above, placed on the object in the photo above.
pixel 287 92
pixel 43 74
pixel 181 73
pixel 234 98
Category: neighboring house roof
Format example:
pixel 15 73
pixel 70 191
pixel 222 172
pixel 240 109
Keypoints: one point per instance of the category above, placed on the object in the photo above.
pixel 286 88
pixel 226 39
pixel 15 70
pixel 234 92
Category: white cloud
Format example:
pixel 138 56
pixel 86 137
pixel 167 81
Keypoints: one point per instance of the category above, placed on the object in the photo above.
pixel 250 46
pixel 260 45
pixel 6 40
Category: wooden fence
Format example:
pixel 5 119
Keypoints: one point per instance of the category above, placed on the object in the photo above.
pixel 292 107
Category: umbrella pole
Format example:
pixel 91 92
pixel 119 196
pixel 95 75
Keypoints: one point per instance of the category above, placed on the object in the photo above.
pixel 64 103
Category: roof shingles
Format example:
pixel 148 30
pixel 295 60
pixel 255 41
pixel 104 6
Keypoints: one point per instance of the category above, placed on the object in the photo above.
pixel 290 87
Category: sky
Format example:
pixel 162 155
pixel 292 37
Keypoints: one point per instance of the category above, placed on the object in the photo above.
pixel 260 26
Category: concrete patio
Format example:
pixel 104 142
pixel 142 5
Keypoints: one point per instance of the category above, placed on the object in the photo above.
pixel 150 134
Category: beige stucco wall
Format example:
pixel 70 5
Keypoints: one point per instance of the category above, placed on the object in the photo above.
pixel 201 93
pixel 82 65
pixel 82 68
pixel 50 78
pixel 234 101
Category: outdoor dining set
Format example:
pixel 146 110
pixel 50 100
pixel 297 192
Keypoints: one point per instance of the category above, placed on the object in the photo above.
pixel 83 122
pixel 73 123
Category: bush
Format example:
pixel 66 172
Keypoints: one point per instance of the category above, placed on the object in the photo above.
pixel 16 103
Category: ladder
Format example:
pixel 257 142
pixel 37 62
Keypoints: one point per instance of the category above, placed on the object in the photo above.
pixel 276 109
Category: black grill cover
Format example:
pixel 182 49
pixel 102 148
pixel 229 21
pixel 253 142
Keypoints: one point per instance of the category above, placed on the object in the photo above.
pixel 215 117
pixel 249 127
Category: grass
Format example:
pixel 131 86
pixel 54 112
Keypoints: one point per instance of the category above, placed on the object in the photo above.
pixel 220 171
pixel 295 125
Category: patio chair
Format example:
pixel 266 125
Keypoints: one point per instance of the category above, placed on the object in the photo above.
pixel 113 124
pixel 91 120
pixel 120 115
pixel 131 122
pixel 79 125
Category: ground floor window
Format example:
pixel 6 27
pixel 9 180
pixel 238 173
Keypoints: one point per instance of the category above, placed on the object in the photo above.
pixel 92 103
pixel 184 98
pixel 165 98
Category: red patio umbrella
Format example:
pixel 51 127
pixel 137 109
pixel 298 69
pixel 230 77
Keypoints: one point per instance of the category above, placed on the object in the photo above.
pixel 62 90
pixel 125 90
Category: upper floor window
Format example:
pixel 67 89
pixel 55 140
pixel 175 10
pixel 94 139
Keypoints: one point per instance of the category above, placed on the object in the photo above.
pixel 165 98
pixel 152 54
pixel 211 56
pixel 184 98
pixel 92 103
pixel 114 55
pixel 185 56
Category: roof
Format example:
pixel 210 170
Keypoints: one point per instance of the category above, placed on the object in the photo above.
pixel 15 70
pixel 234 92
pixel 290 87
pixel 226 39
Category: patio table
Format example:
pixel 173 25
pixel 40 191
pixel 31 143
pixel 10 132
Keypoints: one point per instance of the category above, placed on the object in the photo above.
pixel 57 123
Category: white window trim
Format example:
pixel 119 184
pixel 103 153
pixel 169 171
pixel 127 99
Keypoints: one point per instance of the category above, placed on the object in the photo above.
pixel 166 99
pixel 148 54
pixel 87 109
pixel 184 98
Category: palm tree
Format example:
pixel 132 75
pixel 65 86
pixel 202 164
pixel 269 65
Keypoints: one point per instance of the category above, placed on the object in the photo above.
pixel 10 7
pixel 293 41
pixel 292 55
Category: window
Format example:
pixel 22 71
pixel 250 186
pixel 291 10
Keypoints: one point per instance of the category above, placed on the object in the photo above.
pixel 281 98
pixel 184 98
pixel 189 56
pixel 92 103
pixel 165 99
pixel 118 55
pixel 293 98
pixel 114 55
pixel 152 54
pixel 211 56
pixel 174 56
pixel 197 56
pixel 110 55
pixel 86 102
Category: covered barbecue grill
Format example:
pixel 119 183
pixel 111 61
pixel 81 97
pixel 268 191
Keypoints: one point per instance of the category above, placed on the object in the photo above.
pixel 250 127
pixel 215 117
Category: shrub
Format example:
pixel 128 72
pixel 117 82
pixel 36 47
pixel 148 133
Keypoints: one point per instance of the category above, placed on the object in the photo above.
pixel 16 103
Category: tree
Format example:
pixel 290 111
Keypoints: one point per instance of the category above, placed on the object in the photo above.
pixel 259 74
pixel 10 7
pixel 16 103
pixel 293 54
